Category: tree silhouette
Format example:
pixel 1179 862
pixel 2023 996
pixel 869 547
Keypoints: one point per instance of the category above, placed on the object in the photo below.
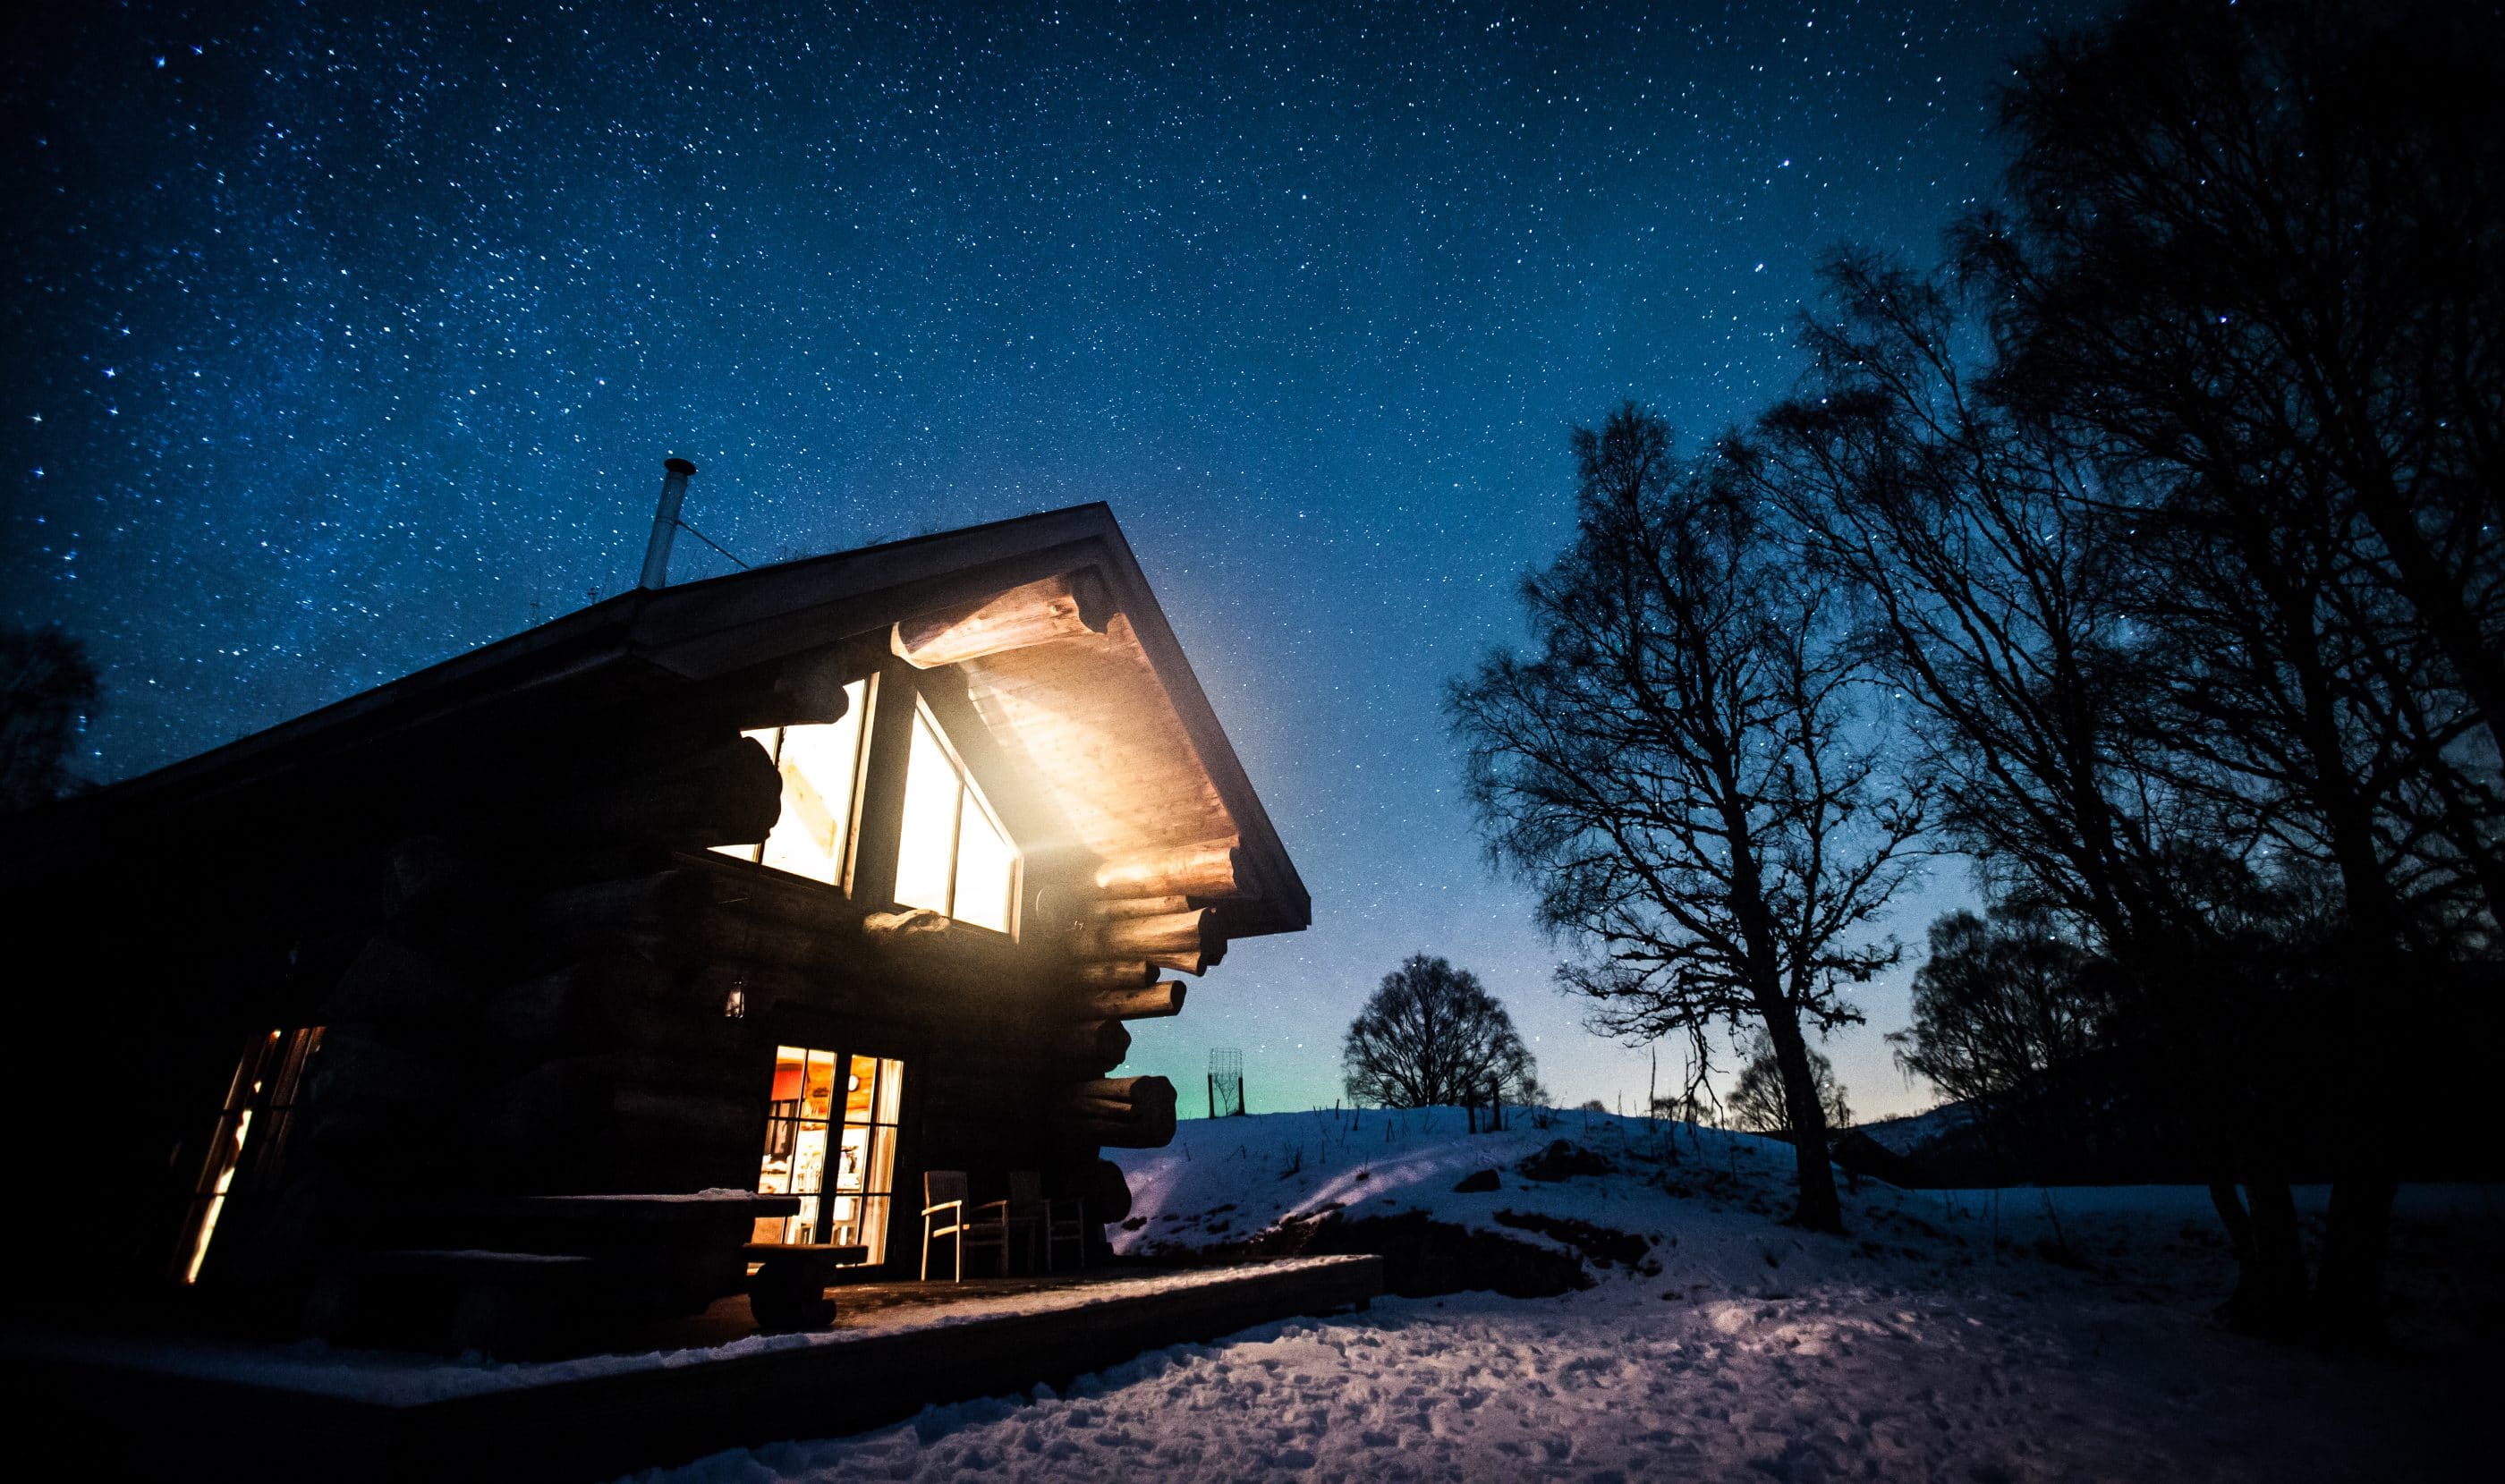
pixel 2001 998
pixel 2195 591
pixel 2260 254
pixel 1759 1104
pixel 1431 1036
pixel 47 691
pixel 1677 770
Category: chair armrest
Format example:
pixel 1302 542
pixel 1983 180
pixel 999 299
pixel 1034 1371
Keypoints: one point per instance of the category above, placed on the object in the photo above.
pixel 944 1206
pixel 1003 1207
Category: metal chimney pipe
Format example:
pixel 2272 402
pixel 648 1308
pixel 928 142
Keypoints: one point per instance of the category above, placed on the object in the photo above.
pixel 665 522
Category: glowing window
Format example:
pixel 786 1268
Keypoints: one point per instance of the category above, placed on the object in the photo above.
pixel 955 858
pixel 820 767
pixel 831 1133
pixel 247 1148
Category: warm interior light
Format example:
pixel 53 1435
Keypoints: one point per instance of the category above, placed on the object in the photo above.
pixel 955 857
pixel 986 870
pixel 931 796
pixel 821 768
pixel 265 1083
pixel 230 1154
pixel 840 1164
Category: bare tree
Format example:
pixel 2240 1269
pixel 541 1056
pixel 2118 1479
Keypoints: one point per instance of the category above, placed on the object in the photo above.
pixel 2261 256
pixel 48 691
pixel 1681 770
pixel 1757 1101
pixel 1996 581
pixel 1431 1036
pixel 2271 243
pixel 2002 999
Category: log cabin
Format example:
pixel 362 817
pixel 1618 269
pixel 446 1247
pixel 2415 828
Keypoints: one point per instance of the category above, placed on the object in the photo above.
pixel 641 957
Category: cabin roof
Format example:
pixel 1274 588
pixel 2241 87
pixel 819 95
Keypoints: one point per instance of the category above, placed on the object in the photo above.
pixel 1113 728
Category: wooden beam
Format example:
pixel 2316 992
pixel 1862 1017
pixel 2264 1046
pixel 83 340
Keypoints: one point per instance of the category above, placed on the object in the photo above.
pixel 660 918
pixel 1098 1044
pixel 1112 907
pixel 1126 937
pixel 1119 1092
pixel 1209 870
pixel 1137 1003
pixel 1149 1128
pixel 1136 1112
pixel 1061 606
pixel 1192 961
pixel 1128 973
pixel 726 793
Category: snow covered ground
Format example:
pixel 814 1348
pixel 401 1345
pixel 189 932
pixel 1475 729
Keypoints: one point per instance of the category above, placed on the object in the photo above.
pixel 1961 1336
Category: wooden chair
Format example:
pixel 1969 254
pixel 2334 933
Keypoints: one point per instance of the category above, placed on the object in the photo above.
pixel 943 1198
pixel 1045 1222
pixel 1029 1215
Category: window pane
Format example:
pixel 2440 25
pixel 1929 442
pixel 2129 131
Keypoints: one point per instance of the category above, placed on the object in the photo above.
pixel 931 795
pixel 852 1165
pixel 819 764
pixel 809 1160
pixel 986 871
pixel 818 1097
pixel 857 1089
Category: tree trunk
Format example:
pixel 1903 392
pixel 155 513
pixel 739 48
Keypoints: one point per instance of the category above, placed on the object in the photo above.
pixel 1820 1209
pixel 2270 1297
pixel 2230 1204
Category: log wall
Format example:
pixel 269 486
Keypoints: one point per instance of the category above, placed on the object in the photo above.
pixel 534 980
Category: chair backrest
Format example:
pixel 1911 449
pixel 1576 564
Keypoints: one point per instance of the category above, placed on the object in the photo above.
pixel 1026 1188
pixel 942 1186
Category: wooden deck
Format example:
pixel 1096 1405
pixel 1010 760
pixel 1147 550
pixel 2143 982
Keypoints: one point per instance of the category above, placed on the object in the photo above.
pixel 287 1413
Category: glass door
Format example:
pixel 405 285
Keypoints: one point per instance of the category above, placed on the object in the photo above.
pixel 831 1133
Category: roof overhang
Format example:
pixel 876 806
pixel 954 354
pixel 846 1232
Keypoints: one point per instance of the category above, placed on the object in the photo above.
pixel 1110 731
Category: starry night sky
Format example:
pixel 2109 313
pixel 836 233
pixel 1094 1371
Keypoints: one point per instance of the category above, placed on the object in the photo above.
pixel 340 342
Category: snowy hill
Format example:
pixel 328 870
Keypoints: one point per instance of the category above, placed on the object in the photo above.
pixel 1578 1185
pixel 2021 1335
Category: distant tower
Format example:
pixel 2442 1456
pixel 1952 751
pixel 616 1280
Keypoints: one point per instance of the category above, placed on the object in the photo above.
pixel 1226 1084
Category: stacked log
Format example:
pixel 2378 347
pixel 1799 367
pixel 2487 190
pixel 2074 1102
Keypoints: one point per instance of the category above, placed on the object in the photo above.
pixel 1205 870
pixel 1135 1001
pixel 657 918
pixel 1128 938
pixel 1106 1192
pixel 1153 912
pixel 1064 607
pixel 724 792
pixel 619 1001
pixel 1100 1046
pixel 1111 909
pixel 1131 1112
pixel 623 1076
pixel 1134 973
